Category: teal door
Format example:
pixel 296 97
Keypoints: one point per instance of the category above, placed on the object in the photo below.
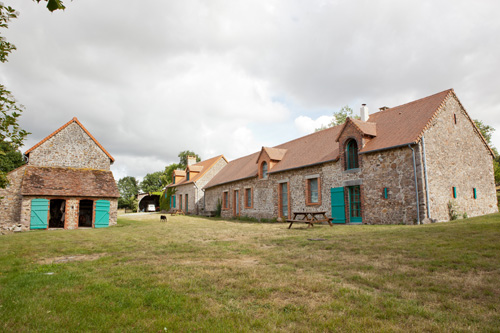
pixel 101 214
pixel 338 204
pixel 355 204
pixel 39 213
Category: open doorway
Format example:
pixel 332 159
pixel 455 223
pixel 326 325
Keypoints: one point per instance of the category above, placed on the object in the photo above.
pixel 85 215
pixel 57 213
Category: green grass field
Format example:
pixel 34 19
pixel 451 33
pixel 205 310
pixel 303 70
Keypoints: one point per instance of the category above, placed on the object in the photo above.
pixel 195 274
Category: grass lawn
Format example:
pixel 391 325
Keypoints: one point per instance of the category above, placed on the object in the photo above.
pixel 196 274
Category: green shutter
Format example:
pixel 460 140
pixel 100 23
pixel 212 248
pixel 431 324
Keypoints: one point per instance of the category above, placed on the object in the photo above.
pixel 39 213
pixel 101 214
pixel 174 201
pixel 338 204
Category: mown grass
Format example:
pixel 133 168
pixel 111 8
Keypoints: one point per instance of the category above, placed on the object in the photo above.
pixel 196 274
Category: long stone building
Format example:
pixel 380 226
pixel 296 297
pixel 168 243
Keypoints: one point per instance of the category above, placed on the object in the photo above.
pixel 188 184
pixel 66 183
pixel 415 163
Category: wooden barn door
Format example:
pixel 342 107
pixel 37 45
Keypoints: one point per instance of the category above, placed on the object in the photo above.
pixel 39 213
pixel 101 214
pixel 338 204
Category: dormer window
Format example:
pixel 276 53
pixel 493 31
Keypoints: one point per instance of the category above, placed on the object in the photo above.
pixel 352 155
pixel 173 178
pixel 264 170
pixel 187 175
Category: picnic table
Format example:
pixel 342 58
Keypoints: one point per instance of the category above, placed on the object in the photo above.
pixel 310 218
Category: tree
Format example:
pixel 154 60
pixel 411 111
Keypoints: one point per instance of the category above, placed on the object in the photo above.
pixel 487 131
pixel 9 160
pixel 183 155
pixel 166 177
pixel 129 188
pixel 339 118
pixel 152 182
pixel 11 135
pixel 53 5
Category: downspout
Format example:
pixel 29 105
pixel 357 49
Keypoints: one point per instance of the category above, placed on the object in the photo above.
pixel 416 183
pixel 195 195
pixel 426 183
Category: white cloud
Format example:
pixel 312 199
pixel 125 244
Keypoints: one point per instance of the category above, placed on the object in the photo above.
pixel 151 79
pixel 306 125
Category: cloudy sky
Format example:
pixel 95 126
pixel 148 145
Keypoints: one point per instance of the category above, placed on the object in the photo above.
pixel 152 78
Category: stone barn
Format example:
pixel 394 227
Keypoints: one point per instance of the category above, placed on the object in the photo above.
pixel 414 163
pixel 66 183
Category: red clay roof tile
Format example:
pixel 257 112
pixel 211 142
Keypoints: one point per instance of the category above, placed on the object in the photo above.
pixel 68 182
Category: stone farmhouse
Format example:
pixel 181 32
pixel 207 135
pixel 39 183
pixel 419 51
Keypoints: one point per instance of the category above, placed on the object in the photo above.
pixel 66 183
pixel 188 184
pixel 407 164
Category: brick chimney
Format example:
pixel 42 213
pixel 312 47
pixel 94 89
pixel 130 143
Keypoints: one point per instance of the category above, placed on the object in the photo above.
pixel 364 112
pixel 191 160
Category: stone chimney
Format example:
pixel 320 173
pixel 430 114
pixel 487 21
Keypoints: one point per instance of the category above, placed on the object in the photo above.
pixel 364 112
pixel 191 160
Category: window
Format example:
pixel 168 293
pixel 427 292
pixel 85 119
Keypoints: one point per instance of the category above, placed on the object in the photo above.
pixel 455 118
pixel 474 192
pixel 225 203
pixel 352 155
pixel 187 207
pixel 283 200
pixel 173 178
pixel 454 192
pixel 355 204
pixel 386 193
pixel 248 198
pixel 187 175
pixel 312 191
pixel 180 202
pixel 264 170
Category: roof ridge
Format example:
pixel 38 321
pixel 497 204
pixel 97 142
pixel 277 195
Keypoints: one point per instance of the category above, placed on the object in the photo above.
pixel 74 120
pixel 417 100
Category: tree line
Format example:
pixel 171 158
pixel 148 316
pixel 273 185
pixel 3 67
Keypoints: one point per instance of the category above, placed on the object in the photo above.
pixel 130 187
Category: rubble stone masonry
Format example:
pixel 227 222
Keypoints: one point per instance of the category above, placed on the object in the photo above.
pixel 457 157
pixel 71 147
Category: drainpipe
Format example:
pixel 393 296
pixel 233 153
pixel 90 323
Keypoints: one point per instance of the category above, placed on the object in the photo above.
pixel 195 197
pixel 416 183
pixel 426 183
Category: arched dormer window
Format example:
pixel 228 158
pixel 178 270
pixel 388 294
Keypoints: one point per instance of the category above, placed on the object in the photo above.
pixel 352 155
pixel 264 170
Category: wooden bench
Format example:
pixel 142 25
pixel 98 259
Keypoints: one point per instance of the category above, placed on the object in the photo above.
pixel 310 218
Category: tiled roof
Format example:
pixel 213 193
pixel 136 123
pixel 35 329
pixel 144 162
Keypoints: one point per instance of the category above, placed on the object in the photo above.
pixel 404 124
pixel 241 168
pixel 200 167
pixel 274 154
pixel 69 182
pixel 63 127
pixel 390 128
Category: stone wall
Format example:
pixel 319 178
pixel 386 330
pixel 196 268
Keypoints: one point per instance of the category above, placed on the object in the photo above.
pixel 72 211
pixel 391 169
pixel 71 147
pixel 10 205
pixel 457 157
pixel 196 195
